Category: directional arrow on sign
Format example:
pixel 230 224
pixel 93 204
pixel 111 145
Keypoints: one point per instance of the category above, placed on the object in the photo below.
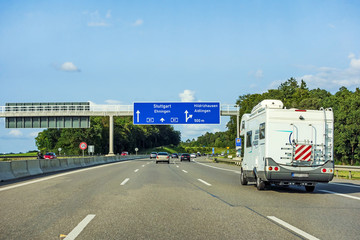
pixel 186 116
pixel 138 114
pixel 162 120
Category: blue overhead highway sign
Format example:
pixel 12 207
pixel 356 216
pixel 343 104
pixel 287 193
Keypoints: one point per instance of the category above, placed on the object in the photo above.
pixel 160 113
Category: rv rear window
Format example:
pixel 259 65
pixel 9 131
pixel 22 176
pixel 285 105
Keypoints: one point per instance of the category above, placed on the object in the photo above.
pixel 248 139
pixel 262 131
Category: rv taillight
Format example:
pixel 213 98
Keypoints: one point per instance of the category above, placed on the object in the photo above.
pixel 300 110
pixel 324 170
pixel 276 169
pixel 270 168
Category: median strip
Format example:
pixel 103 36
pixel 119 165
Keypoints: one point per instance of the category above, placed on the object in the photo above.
pixel 292 228
pixel 78 229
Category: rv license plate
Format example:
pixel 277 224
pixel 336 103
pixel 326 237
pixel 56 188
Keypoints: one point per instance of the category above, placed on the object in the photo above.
pixel 300 175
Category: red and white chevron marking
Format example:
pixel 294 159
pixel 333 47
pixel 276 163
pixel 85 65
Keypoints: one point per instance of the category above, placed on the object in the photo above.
pixel 303 152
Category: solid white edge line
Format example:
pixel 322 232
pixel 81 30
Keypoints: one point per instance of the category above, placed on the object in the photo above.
pixel 78 229
pixel 292 228
pixel 340 194
pixel 204 182
pixel 125 181
pixel 217 167
pixel 59 175
pixel 345 185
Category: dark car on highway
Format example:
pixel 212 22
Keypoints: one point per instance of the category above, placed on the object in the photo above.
pixel 174 155
pixel 185 157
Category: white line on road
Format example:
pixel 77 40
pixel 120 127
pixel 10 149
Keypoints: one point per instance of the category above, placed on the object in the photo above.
pixel 204 182
pixel 184 171
pixel 177 166
pixel 125 181
pixel 340 194
pixel 78 229
pixel 345 185
pixel 143 165
pixel 136 170
pixel 292 228
pixel 217 167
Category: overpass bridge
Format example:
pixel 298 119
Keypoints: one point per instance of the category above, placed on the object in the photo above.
pixel 26 114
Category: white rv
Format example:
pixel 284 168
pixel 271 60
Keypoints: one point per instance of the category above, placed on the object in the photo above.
pixel 287 146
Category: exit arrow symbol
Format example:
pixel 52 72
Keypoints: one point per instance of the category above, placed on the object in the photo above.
pixel 162 120
pixel 186 116
pixel 138 114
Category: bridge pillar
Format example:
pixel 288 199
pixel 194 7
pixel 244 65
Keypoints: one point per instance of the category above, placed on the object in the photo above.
pixel 111 136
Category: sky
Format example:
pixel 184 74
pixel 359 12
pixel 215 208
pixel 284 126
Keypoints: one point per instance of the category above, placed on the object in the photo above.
pixel 121 52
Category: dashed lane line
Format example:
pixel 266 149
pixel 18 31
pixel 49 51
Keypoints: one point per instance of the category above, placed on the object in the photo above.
pixel 80 227
pixel 206 183
pixel 125 181
pixel 136 170
pixel 185 171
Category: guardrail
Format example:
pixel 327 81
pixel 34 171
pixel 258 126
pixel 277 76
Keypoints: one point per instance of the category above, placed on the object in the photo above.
pixel 237 161
pixel 24 168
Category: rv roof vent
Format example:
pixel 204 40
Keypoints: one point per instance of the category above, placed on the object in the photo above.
pixel 269 103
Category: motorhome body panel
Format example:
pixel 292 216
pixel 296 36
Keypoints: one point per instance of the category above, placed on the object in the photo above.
pixel 297 141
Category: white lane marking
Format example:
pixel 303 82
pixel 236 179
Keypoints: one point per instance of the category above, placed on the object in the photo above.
pixel 177 166
pixel 143 165
pixel 340 194
pixel 184 171
pixel 204 182
pixel 345 185
pixel 292 228
pixel 125 181
pixel 78 229
pixel 136 170
pixel 59 175
pixel 238 172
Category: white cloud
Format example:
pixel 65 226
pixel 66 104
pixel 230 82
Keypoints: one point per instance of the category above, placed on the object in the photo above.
pixel 69 67
pixel 138 22
pixel 15 133
pixel 259 73
pixel 108 14
pixel 33 134
pixel 96 20
pixel 187 96
pixel 334 77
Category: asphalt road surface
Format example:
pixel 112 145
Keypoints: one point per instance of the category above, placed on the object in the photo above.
pixel 139 199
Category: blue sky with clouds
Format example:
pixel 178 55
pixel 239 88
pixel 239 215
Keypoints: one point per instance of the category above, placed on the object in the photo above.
pixel 118 52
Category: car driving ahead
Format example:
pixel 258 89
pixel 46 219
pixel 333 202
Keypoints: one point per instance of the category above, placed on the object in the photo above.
pixel 185 157
pixel 153 155
pixel 163 157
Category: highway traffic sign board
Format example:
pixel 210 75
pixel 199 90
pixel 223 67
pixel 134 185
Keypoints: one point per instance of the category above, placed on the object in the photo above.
pixel 160 113
pixel 83 145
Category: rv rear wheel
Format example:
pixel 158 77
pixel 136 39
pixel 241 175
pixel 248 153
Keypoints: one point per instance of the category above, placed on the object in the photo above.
pixel 260 185
pixel 309 188
pixel 243 179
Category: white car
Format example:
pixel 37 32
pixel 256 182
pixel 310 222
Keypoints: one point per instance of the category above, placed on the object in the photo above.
pixel 163 157
pixel 193 155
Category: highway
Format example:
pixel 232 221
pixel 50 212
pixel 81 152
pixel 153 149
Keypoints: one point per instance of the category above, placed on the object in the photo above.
pixel 139 199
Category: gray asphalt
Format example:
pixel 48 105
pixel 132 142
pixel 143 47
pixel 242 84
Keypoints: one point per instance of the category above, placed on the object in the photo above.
pixel 181 200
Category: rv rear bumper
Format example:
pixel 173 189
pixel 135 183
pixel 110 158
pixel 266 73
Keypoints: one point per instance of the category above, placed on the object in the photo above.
pixel 304 175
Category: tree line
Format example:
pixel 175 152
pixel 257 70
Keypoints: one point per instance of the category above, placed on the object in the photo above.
pixel 127 137
pixel 345 105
